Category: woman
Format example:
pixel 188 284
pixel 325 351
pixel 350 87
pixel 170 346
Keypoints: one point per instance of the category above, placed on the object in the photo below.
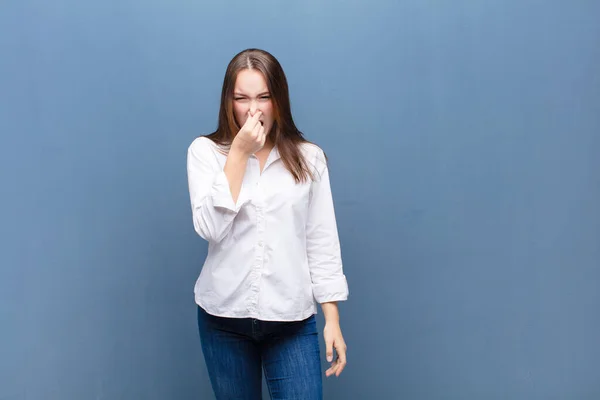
pixel 261 197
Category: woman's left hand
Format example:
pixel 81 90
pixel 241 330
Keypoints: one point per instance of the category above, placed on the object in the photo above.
pixel 334 340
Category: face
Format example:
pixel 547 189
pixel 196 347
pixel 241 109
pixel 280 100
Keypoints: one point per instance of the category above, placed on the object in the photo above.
pixel 250 95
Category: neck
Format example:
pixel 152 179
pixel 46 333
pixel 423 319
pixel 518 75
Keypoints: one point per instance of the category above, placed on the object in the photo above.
pixel 266 148
pixel 269 143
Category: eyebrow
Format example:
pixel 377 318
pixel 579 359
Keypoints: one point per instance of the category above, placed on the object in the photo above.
pixel 260 94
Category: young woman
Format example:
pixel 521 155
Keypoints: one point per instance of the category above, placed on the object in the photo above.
pixel 261 197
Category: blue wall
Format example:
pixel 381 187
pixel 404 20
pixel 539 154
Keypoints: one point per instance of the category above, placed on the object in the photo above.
pixel 463 138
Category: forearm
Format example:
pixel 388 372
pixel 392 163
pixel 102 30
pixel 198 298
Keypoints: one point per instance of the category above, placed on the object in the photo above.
pixel 235 168
pixel 331 312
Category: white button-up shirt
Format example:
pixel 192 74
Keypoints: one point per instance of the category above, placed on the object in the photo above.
pixel 276 252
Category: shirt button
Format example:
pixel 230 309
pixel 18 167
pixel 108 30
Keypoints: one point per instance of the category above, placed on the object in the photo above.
pixel 260 243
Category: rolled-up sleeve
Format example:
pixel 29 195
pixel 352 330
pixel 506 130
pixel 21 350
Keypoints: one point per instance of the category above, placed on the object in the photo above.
pixel 213 209
pixel 322 241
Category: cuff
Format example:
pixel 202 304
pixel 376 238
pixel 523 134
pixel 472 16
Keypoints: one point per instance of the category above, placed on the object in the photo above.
pixel 221 194
pixel 336 290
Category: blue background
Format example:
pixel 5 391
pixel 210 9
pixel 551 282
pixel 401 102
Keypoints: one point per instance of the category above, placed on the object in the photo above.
pixel 463 139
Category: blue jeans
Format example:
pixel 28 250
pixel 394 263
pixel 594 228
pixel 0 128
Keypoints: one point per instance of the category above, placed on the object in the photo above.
pixel 237 350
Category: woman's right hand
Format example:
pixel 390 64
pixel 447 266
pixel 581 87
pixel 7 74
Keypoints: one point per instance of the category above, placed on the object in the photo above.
pixel 251 137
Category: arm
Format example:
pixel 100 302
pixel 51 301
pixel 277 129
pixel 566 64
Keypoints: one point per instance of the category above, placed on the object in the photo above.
pixel 325 263
pixel 217 195
pixel 211 190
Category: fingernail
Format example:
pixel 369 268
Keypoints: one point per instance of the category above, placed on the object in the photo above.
pixel 329 358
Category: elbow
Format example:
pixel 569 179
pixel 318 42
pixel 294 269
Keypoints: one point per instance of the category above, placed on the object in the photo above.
pixel 210 230
pixel 202 231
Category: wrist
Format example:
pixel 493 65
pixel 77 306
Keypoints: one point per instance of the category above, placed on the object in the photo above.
pixel 238 155
pixel 331 313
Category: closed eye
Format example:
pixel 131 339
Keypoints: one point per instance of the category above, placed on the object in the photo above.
pixel 245 98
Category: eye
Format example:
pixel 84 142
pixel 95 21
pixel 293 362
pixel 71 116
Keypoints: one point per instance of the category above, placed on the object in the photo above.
pixel 265 97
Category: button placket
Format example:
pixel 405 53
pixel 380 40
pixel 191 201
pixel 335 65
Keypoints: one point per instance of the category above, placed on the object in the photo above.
pixel 256 272
pixel 257 268
pixel 251 301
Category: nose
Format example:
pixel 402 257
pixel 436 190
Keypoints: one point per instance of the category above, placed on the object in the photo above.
pixel 253 107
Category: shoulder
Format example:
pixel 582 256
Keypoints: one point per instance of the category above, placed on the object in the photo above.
pixel 201 144
pixel 314 156
pixel 204 151
pixel 312 152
